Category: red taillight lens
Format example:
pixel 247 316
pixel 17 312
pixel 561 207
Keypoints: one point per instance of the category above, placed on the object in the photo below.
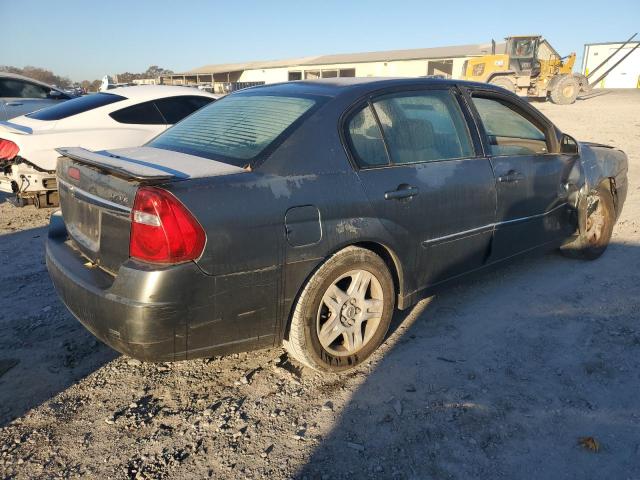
pixel 162 229
pixel 8 149
pixel 74 173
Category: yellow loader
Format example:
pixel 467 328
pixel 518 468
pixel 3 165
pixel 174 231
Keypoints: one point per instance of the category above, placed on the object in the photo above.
pixel 529 67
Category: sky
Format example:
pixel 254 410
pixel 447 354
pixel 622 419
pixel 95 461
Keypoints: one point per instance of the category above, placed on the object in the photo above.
pixel 88 39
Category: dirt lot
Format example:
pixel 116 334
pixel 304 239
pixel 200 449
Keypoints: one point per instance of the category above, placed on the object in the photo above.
pixel 498 377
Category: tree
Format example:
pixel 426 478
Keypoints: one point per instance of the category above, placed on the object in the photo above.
pixel 155 71
pixel 37 73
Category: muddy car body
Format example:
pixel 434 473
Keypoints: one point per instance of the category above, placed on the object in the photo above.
pixel 362 196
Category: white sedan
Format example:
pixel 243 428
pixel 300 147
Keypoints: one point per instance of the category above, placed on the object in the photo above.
pixel 122 117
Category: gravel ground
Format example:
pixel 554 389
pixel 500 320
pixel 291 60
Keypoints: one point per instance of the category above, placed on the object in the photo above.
pixel 500 376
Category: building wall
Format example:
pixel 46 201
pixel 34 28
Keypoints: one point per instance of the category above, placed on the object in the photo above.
pixel 625 75
pixel 267 75
pixel 404 68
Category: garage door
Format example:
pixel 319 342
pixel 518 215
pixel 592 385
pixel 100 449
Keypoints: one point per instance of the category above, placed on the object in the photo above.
pixel 625 75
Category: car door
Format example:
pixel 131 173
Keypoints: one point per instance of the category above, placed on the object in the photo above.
pixel 22 97
pixel 531 174
pixel 419 166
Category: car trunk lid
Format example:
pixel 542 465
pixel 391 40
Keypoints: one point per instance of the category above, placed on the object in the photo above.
pixel 98 189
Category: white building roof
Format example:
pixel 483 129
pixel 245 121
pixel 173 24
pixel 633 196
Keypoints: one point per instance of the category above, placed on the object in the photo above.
pixel 364 57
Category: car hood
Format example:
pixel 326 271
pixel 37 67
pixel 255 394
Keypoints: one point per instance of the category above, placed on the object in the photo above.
pixel 602 161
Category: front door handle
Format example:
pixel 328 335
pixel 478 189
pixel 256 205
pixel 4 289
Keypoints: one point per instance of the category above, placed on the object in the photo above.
pixel 403 191
pixel 511 177
pixel 14 104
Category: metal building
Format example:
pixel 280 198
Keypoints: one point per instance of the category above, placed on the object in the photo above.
pixel 624 75
pixel 444 61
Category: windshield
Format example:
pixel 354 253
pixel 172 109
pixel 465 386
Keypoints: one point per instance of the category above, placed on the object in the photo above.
pixel 236 129
pixel 523 47
pixel 76 106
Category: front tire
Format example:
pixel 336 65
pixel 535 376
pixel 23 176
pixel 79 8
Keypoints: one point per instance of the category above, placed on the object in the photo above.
pixel 504 82
pixel 343 312
pixel 565 90
pixel 596 217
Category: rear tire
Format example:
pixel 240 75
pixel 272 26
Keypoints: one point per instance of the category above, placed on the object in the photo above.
pixel 504 82
pixel 596 217
pixel 583 83
pixel 343 312
pixel 565 90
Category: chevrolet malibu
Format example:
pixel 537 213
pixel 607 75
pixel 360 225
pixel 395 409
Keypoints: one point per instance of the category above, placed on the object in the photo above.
pixel 305 213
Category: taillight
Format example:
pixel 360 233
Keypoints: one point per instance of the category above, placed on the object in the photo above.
pixel 8 149
pixel 162 229
pixel 74 173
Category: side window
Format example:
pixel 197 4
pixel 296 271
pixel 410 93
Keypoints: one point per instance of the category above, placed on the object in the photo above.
pixel 365 139
pixel 142 114
pixel 32 90
pixel 423 126
pixel 509 131
pixel 174 109
pixel 10 87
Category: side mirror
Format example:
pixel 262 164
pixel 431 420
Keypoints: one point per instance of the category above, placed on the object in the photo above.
pixel 569 145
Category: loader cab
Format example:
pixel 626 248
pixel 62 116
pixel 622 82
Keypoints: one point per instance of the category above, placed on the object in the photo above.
pixel 523 54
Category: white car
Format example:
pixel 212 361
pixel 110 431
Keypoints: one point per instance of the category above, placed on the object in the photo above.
pixel 122 117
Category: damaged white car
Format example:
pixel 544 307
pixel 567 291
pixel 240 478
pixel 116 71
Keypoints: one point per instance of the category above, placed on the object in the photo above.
pixel 122 117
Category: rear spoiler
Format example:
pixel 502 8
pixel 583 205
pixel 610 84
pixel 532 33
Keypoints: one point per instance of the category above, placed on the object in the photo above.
pixel 127 168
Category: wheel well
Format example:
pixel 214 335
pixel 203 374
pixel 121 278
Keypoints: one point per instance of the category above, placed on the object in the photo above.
pixel 390 259
pixel 610 184
pixel 393 263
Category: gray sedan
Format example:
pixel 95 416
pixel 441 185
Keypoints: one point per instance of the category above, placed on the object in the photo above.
pixel 305 213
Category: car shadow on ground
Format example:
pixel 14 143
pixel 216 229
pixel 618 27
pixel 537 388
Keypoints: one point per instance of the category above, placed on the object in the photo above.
pixel 500 377
pixel 43 349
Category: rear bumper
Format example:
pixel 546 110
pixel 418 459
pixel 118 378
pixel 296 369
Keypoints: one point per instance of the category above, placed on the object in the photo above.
pixel 124 311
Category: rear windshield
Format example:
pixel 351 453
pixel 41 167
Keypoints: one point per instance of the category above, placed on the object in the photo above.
pixel 237 129
pixel 75 106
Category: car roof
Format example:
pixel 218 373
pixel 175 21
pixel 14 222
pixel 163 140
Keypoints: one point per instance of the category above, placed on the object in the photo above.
pixel 150 92
pixel 334 87
pixel 17 76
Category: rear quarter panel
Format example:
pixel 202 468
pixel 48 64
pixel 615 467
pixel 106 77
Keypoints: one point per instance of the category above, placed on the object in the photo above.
pixel 259 268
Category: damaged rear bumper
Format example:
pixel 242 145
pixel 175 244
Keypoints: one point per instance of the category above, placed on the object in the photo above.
pixel 123 311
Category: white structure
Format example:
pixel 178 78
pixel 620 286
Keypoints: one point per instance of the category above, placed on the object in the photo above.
pixel 145 81
pixel 625 75
pixel 443 61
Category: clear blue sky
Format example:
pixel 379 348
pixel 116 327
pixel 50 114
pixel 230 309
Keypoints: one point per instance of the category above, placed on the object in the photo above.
pixel 87 39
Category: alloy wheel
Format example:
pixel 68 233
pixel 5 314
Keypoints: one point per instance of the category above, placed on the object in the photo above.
pixel 350 312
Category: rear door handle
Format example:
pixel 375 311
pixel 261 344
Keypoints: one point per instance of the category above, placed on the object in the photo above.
pixel 14 104
pixel 511 177
pixel 401 192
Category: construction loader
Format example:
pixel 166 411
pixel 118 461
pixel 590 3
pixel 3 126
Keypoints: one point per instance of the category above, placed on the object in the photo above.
pixel 531 67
